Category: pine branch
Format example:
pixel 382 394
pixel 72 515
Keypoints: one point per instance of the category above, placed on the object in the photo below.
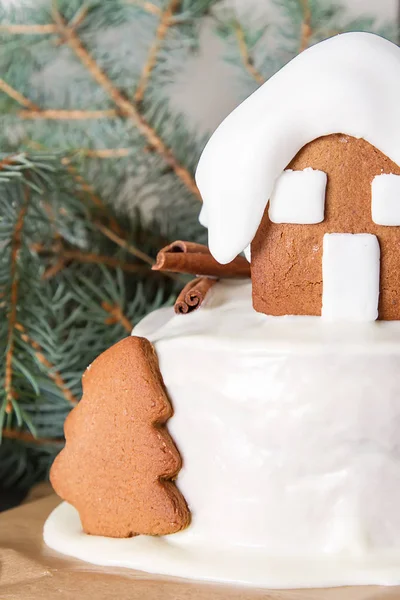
pixel 124 107
pixel 14 166
pixel 7 161
pixel 12 316
pixel 17 344
pixel 306 29
pixel 87 188
pixel 65 256
pixel 79 16
pixel 90 281
pixel 151 61
pixel 247 59
pixel 111 235
pixel 105 152
pixel 146 6
pixel 26 437
pixel 117 316
pixel 51 372
pixel 53 270
pixel 17 96
pixel 67 115
pixel 29 29
pixel 123 104
pixel 243 40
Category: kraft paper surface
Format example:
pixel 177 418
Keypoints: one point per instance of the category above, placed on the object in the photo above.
pixel 29 570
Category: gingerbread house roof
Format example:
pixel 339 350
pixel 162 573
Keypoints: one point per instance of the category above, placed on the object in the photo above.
pixel 348 84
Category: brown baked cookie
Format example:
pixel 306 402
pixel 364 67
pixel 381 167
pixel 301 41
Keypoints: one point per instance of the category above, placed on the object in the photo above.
pixel 286 259
pixel 119 462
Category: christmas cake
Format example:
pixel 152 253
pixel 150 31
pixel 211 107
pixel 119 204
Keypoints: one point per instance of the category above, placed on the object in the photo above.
pixel 253 433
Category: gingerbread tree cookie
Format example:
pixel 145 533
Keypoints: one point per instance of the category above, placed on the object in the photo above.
pixel 119 462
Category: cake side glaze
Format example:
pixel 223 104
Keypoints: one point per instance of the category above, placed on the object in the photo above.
pixel 288 430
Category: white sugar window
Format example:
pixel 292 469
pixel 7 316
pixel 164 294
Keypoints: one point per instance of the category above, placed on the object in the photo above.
pixel 385 203
pixel 298 197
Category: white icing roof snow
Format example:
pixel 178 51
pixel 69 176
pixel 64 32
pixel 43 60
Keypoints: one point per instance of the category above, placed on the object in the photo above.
pixel 348 84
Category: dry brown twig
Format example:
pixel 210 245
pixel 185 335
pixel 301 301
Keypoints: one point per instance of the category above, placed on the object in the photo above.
pixel 124 107
pixel 13 324
pixel 67 115
pixel 306 29
pixel 116 316
pixel 29 29
pixel 51 28
pixel 85 186
pixel 113 232
pixel 25 436
pixel 113 236
pixel 88 189
pixel 245 54
pixel 106 152
pixel 146 6
pixel 52 373
pixel 151 61
pixel 132 249
pixel 16 241
pixel 65 255
pixel 17 96
pixel 8 160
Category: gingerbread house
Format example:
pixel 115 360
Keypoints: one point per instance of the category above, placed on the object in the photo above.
pixel 306 171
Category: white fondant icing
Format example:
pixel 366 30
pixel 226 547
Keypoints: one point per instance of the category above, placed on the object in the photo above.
pixel 298 197
pixel 348 84
pixel 248 566
pixel 289 432
pixel 350 273
pixel 385 199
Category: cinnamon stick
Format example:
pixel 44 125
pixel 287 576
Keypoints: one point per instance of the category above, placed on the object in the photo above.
pixel 193 294
pixel 196 259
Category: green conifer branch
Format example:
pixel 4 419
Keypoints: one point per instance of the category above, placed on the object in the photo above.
pixel 17 96
pixel 52 327
pixel 14 291
pixel 248 60
pixel 126 107
pixel 67 115
pixel 301 24
pixel 162 29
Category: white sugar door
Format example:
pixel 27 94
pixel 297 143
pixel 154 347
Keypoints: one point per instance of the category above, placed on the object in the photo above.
pixel 350 272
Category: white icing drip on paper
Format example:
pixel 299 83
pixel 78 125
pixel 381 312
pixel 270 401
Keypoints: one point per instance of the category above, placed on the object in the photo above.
pixel 385 199
pixel 63 533
pixel 348 84
pixel 350 271
pixel 288 430
pixel 298 197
